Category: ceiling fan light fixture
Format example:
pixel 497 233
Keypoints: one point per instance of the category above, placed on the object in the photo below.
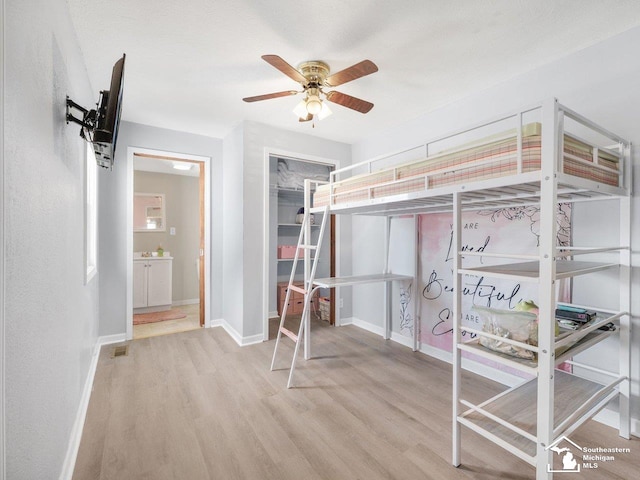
pixel 325 112
pixel 182 166
pixel 314 104
pixel 300 110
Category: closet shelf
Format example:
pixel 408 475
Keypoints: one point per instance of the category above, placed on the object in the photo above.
pixel 529 271
pixel 300 260
pixel 295 225
pixel 575 401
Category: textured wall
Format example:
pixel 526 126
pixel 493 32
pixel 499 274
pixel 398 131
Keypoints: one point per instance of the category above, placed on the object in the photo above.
pixel 51 316
pixel 233 232
pixel 112 224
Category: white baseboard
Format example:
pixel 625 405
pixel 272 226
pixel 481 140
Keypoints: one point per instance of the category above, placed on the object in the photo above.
pixel 216 323
pixel 273 314
pixel 239 339
pixel 609 417
pixel 402 339
pixel 109 339
pixel 78 425
pixel 191 301
pixel 369 327
pixel 252 340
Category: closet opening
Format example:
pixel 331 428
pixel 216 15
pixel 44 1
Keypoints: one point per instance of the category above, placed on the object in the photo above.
pixel 283 214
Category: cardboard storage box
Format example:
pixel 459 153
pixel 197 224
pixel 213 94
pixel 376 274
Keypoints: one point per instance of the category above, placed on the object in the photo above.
pixel 286 251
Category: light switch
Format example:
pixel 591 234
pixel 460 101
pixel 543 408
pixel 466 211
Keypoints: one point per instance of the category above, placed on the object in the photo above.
pixel 172 231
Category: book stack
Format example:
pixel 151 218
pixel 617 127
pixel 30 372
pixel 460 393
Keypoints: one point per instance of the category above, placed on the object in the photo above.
pixel 579 315
pixel 575 317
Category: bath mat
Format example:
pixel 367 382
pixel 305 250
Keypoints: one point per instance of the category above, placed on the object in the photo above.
pixel 140 318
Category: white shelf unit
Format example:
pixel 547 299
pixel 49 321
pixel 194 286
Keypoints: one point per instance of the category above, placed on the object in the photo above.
pixel 563 401
pixel 289 201
pixel 504 420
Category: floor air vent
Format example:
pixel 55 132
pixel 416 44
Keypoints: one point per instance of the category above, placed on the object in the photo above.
pixel 121 351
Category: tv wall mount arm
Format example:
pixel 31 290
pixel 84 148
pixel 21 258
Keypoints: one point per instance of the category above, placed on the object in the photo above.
pixel 89 118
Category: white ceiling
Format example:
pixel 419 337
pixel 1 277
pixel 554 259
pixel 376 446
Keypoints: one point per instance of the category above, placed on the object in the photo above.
pixel 165 166
pixel 190 63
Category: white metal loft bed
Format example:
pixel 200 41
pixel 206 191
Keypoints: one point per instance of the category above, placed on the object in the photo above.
pixel 559 157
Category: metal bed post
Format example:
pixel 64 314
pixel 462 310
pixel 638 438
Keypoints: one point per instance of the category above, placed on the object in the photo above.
pixel 416 277
pixel 457 337
pixel 546 288
pixel 387 285
pixel 625 299
pixel 307 269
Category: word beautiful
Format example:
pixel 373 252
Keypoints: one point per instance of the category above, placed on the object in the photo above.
pixel 480 291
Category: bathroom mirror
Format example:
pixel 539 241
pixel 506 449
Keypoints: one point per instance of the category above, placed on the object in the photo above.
pixel 149 212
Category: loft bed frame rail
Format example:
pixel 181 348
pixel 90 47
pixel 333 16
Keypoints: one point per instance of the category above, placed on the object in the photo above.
pixel 510 189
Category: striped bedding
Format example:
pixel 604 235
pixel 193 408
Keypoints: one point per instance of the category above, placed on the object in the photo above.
pixel 495 158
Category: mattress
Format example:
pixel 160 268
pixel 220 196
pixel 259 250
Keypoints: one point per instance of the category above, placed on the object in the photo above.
pixel 492 157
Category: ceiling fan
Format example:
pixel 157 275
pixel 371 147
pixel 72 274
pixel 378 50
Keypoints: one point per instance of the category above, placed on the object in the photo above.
pixel 314 76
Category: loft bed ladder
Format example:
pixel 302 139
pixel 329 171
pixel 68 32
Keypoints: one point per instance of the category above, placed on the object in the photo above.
pixel 311 284
pixel 307 289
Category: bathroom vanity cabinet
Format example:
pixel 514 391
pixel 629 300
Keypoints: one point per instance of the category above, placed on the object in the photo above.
pixel 152 287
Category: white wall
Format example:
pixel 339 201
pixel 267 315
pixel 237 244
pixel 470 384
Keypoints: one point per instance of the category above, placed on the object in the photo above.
pixel 51 316
pixel 600 82
pixel 233 233
pixel 112 216
pixel 2 248
pixel 245 206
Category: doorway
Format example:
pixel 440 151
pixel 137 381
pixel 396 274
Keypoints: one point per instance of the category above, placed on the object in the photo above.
pixel 283 200
pixel 168 222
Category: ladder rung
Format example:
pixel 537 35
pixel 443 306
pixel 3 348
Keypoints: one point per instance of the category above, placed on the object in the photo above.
pixel 298 289
pixel 289 334
pixel 310 247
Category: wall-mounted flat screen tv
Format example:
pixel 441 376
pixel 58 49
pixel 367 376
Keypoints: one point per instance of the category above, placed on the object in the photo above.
pixel 100 127
pixel 105 134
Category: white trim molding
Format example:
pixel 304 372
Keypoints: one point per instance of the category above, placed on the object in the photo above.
pixel 3 282
pixel 216 322
pixel 78 425
pixel 239 339
pixel 109 339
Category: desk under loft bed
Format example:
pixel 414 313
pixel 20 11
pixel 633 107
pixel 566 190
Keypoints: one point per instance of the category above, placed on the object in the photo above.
pixel 541 155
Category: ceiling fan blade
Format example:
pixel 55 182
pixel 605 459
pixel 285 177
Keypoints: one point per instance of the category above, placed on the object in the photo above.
pixel 365 67
pixel 348 101
pixel 257 98
pixel 284 67
pixel 307 119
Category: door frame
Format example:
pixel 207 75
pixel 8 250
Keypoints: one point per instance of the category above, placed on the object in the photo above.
pixel 276 152
pixel 206 162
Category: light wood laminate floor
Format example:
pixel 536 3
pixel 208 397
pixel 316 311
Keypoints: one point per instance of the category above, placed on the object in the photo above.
pixel 196 406
pixel 168 327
